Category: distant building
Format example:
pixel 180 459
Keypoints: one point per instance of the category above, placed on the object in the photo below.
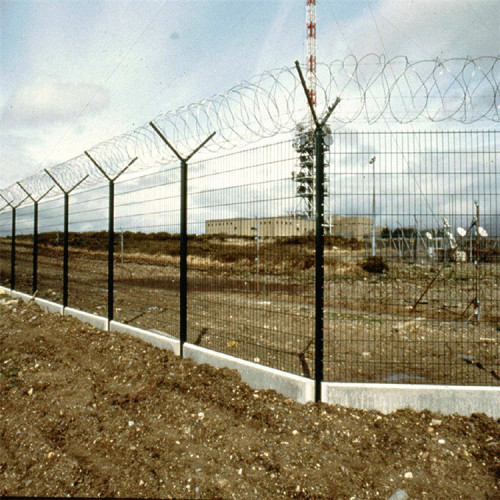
pixel 348 227
pixel 267 226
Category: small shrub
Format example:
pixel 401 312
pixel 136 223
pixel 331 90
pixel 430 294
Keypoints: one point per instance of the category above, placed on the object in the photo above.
pixel 295 263
pixel 355 244
pixel 294 240
pixel 374 264
pixel 307 262
pixel 228 258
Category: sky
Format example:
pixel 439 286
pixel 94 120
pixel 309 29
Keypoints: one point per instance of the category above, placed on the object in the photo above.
pixel 75 73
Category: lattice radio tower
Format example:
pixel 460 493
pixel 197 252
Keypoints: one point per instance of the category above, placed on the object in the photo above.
pixel 311 49
pixel 304 174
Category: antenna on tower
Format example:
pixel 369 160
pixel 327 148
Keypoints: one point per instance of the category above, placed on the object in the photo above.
pixel 311 49
pixel 304 144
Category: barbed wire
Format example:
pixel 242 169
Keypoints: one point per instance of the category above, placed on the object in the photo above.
pixel 463 90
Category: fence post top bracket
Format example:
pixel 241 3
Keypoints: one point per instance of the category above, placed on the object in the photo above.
pixel 182 159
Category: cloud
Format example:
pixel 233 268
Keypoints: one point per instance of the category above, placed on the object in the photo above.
pixel 421 29
pixel 51 102
pixel 16 150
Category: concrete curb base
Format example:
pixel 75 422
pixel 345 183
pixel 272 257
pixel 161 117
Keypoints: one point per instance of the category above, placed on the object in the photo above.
pixel 256 376
pixel 49 306
pixel 155 339
pixel 446 399
pixel 93 319
pixel 21 295
pixel 45 305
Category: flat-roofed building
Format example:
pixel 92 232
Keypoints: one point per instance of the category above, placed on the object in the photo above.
pixel 348 227
pixel 266 226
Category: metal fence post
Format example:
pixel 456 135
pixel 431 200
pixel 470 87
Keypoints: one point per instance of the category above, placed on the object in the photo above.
pixel 66 234
pixel 320 270
pixel 319 137
pixel 183 256
pixel 111 251
pixel 13 242
pixel 13 251
pixel 111 233
pixel 34 285
pixel 66 250
pixel 183 286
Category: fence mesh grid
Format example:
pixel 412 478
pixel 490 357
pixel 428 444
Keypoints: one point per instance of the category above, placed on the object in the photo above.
pixel 432 315
pixel 24 244
pixel 50 250
pixel 147 281
pixel 411 256
pixel 5 229
pixel 251 278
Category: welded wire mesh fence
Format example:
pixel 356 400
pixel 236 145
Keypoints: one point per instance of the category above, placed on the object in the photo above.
pixel 147 247
pixel 251 277
pixel 24 242
pixel 412 257
pixel 427 212
pixel 5 229
pixel 50 250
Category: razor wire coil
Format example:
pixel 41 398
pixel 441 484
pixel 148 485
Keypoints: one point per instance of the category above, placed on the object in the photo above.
pixel 372 88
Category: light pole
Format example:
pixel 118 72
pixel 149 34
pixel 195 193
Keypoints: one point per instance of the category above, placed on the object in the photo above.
pixel 372 162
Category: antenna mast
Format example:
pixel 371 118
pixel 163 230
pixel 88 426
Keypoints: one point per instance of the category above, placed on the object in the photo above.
pixel 304 143
pixel 311 48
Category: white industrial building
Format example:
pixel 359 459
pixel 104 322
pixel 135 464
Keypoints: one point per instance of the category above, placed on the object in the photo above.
pixel 338 225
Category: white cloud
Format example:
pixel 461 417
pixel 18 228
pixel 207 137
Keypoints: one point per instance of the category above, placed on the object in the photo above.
pixel 140 67
pixel 51 102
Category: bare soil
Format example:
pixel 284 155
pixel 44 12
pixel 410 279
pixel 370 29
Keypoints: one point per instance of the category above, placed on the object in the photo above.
pixel 92 413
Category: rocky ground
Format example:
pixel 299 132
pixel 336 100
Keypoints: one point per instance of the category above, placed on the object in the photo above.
pixel 92 413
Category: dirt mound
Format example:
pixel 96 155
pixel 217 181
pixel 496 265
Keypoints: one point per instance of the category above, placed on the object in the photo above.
pixel 92 413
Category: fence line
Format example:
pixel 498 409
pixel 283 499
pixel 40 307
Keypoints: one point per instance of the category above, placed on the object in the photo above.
pixel 250 272
pixel 250 258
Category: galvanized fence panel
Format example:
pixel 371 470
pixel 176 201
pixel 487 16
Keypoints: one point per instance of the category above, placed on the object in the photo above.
pixel 5 232
pixel 251 267
pixel 24 248
pixel 50 250
pixel 87 282
pixel 147 218
pixel 432 315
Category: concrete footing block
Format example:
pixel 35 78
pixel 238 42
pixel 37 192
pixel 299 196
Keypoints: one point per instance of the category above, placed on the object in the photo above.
pixel 385 398
pixel 20 295
pixel 48 306
pixel 156 339
pixel 446 399
pixel 93 319
pixel 256 376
